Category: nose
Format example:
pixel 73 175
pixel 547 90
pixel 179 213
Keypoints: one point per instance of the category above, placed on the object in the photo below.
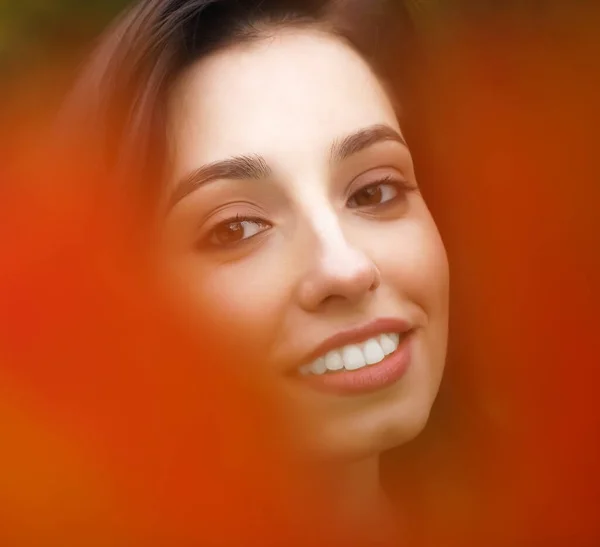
pixel 339 272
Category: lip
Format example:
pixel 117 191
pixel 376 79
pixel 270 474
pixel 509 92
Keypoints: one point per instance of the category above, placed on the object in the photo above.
pixel 367 379
pixel 359 334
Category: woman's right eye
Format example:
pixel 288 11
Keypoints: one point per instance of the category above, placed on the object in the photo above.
pixel 235 231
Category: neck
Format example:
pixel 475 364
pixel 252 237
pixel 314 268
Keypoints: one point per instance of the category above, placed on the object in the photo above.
pixel 355 487
pixel 352 499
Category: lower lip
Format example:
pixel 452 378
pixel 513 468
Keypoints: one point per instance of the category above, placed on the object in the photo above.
pixel 369 378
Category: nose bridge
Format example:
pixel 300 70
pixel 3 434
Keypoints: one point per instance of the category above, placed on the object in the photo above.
pixel 335 253
pixel 337 268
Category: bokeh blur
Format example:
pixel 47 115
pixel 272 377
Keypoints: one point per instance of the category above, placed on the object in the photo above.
pixel 99 419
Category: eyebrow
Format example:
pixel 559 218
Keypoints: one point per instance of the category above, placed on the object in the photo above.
pixel 365 138
pixel 255 167
pixel 236 168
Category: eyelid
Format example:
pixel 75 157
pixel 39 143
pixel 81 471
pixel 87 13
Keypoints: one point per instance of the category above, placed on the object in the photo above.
pixel 376 174
pixel 228 212
pixel 388 179
pixel 402 187
pixel 233 219
pixel 203 239
pixel 401 182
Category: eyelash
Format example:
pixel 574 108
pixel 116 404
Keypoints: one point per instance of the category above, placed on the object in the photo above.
pixel 205 242
pixel 401 184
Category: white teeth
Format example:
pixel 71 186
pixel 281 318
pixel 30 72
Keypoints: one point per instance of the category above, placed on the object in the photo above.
pixel 373 352
pixel 318 366
pixel 304 370
pixel 387 344
pixel 353 358
pixel 334 361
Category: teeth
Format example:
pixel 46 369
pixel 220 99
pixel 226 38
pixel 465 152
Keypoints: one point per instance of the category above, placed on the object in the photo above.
pixel 373 352
pixel 354 356
pixel 334 361
pixel 387 344
pixel 304 370
pixel 318 366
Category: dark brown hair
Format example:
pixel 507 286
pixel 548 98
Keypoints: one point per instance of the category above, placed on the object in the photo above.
pixel 119 102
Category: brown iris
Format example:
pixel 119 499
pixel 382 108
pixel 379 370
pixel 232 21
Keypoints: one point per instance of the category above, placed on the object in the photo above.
pixel 237 230
pixel 229 233
pixel 371 195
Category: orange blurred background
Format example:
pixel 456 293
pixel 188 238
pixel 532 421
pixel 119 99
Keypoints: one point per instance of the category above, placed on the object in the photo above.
pixel 109 433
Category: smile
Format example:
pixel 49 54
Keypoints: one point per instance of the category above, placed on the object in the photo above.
pixel 354 356
pixel 362 359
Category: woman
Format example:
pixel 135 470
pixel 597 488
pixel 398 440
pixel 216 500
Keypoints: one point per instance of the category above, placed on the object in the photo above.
pixel 270 155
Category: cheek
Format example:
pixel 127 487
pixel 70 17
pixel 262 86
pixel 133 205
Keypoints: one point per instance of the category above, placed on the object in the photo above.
pixel 414 264
pixel 248 296
pixel 419 271
pixel 415 270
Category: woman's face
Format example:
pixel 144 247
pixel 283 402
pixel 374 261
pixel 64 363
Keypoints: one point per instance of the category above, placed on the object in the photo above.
pixel 295 222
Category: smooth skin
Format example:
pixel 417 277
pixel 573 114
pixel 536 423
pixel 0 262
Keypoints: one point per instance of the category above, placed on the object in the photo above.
pixel 316 227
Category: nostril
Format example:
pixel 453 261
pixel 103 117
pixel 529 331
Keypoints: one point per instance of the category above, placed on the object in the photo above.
pixel 331 298
pixel 376 279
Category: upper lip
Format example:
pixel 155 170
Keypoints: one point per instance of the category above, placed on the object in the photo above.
pixel 358 334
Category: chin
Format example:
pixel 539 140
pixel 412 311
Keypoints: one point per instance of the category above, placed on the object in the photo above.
pixel 367 436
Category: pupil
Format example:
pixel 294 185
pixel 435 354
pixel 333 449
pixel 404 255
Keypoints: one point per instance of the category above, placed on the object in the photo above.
pixel 369 196
pixel 230 233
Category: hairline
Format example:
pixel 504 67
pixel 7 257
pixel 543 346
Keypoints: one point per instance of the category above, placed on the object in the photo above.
pixel 268 30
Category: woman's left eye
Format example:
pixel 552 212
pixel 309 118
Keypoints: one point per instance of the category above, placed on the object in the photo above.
pixel 374 194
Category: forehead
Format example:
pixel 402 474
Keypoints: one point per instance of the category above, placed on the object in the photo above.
pixel 286 96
